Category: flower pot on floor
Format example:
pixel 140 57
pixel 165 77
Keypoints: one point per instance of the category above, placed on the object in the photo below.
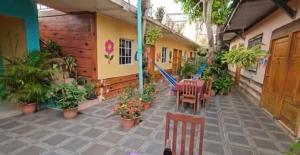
pixel 147 106
pixel 70 113
pixel 28 108
pixel 127 123
pixel 137 120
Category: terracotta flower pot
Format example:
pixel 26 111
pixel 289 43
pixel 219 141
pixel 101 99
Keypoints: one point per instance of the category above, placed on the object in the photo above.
pixel 147 106
pixel 70 113
pixel 137 121
pixel 128 123
pixel 28 108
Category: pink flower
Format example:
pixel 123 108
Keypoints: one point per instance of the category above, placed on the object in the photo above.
pixel 109 46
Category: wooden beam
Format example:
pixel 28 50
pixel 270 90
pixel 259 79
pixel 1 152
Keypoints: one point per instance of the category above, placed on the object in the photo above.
pixel 282 4
pixel 240 34
pixel 233 30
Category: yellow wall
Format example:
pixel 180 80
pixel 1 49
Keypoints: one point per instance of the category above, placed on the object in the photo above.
pixel 109 28
pixel 170 44
pixel 12 37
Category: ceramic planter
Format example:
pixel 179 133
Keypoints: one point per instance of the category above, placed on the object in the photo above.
pixel 70 113
pixel 128 123
pixel 28 108
pixel 147 106
pixel 137 120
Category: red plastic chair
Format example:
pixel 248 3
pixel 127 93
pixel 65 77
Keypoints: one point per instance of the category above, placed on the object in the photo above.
pixel 185 119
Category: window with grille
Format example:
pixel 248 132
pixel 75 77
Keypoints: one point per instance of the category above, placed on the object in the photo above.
pixel 125 51
pixel 164 55
pixel 257 40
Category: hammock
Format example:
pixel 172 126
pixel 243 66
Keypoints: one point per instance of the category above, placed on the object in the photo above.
pixel 200 71
pixel 172 80
pixel 167 76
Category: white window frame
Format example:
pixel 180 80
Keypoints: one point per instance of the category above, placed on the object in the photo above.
pixel 127 58
pixel 164 55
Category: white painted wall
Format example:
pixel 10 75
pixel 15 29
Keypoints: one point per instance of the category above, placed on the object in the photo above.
pixel 277 19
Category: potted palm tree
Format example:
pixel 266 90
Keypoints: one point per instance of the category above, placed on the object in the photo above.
pixel 26 80
pixel 67 96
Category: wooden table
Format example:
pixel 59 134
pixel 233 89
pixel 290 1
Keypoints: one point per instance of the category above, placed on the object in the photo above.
pixel 179 89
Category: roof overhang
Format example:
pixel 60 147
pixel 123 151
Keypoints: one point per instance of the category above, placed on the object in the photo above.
pixel 245 14
pixel 118 9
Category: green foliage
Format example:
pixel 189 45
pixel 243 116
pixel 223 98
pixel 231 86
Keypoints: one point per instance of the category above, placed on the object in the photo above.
pixel 127 94
pixel 153 33
pixel 81 81
pixel 70 63
pixel 220 11
pixel 27 79
pixel 89 88
pixel 294 148
pixel 147 93
pixel 67 96
pixel 52 47
pixel 223 83
pixel 244 58
pixel 160 13
pixel 188 69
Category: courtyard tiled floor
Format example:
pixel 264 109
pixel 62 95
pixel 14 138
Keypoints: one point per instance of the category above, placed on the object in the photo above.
pixel 234 126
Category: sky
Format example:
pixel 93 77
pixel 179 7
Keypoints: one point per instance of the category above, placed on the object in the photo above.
pixel 172 7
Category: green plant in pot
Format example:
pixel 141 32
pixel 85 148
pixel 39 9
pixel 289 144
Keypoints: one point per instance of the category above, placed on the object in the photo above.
pixel 26 80
pixel 70 64
pixel 67 96
pixel 127 94
pixel 90 93
pixel 223 84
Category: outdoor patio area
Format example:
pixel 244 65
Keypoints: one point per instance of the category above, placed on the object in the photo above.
pixel 233 125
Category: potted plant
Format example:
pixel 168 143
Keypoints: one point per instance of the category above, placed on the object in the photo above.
pixel 223 84
pixel 146 100
pixel 67 96
pixel 90 93
pixel 70 64
pixel 160 13
pixel 26 80
pixel 129 113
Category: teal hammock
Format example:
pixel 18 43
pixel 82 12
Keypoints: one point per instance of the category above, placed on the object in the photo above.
pixel 172 80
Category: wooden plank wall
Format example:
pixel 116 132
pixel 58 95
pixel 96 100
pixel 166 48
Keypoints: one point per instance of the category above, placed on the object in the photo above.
pixel 112 87
pixel 76 34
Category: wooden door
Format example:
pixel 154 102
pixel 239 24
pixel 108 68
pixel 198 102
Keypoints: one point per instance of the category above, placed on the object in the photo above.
pixel 179 61
pixel 175 62
pixel 275 76
pixel 151 58
pixel 291 96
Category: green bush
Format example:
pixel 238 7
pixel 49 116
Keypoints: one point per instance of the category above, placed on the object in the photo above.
pixel 153 33
pixel 188 69
pixel 27 79
pixel 223 83
pixel 127 94
pixel 89 88
pixel 67 96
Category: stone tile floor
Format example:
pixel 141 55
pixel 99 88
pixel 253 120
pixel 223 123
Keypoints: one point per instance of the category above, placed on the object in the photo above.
pixel 234 126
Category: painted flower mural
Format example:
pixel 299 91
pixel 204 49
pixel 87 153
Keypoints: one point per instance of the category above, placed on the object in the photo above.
pixel 109 48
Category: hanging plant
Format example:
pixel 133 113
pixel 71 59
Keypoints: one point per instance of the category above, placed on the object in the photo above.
pixel 153 33
pixel 109 48
pixel 135 56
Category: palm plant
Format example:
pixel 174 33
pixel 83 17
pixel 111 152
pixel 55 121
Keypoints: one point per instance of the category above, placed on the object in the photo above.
pixel 27 79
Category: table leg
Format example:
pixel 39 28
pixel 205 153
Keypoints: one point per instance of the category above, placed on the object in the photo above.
pixel 177 100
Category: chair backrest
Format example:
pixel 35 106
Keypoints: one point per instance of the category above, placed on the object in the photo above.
pixel 185 119
pixel 208 86
pixel 190 88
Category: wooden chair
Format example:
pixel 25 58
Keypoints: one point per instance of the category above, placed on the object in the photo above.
pixel 207 93
pixel 185 119
pixel 190 93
